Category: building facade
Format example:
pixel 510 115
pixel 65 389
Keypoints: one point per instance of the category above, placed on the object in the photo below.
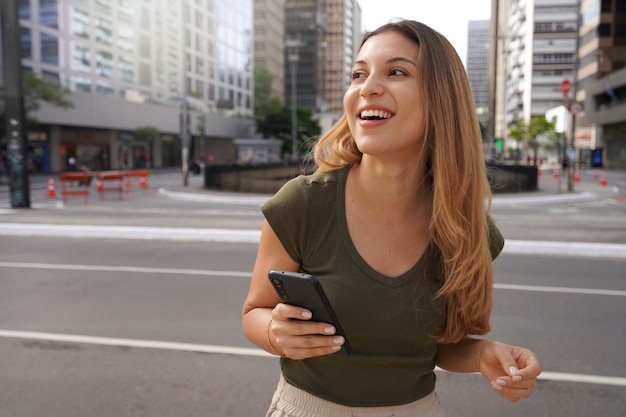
pixel 601 80
pixel 129 65
pixel 537 44
pixel 329 33
pixel 269 42
pixel 477 64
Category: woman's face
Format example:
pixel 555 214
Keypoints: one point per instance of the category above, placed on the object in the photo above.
pixel 383 104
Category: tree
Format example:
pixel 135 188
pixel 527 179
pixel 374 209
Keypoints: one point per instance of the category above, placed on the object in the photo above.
pixel 273 120
pixel 35 90
pixel 278 125
pixel 264 102
pixel 530 133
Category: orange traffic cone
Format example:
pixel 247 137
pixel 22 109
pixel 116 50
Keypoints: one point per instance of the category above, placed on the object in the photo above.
pixel 555 173
pixel 99 185
pixel 603 179
pixel 51 190
pixel 576 176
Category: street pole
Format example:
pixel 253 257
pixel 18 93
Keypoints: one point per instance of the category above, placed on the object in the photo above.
pixel 184 136
pixel 293 57
pixel 572 115
pixel 17 146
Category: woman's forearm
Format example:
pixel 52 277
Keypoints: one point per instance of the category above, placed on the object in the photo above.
pixel 254 324
pixel 463 356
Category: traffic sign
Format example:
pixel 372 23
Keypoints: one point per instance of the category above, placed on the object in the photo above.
pixel 576 107
pixel 566 86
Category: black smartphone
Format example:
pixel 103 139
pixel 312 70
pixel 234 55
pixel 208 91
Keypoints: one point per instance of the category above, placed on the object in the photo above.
pixel 304 290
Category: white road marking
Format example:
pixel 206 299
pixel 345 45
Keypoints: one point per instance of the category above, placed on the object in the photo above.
pixel 565 290
pixel 130 232
pixel 256 352
pixel 579 249
pixel 244 274
pixel 120 268
pixel 524 247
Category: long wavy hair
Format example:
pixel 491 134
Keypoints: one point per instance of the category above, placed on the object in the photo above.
pixel 455 178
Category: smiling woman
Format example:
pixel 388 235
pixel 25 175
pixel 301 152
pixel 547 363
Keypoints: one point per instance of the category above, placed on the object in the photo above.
pixel 395 227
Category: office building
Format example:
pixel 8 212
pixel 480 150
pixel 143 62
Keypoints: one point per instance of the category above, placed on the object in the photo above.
pixel 602 83
pixel 129 65
pixel 269 42
pixel 536 44
pixel 477 65
pixel 328 34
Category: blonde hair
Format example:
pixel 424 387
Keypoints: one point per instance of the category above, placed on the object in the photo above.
pixel 455 178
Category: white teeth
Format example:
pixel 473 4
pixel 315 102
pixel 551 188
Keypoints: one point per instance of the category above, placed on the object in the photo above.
pixel 375 113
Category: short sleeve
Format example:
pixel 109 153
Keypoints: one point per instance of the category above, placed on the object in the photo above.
pixel 286 212
pixel 496 240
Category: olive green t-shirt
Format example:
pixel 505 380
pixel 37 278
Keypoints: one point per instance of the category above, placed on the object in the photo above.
pixel 390 322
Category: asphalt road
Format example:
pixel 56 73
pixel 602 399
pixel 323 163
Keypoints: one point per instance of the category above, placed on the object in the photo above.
pixel 132 308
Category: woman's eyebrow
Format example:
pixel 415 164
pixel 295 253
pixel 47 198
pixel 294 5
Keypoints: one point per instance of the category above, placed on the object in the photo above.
pixel 389 61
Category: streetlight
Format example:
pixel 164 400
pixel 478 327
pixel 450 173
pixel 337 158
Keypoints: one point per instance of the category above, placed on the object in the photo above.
pixel 17 149
pixel 293 56
pixel 572 115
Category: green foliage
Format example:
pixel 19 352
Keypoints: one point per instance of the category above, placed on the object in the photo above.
pixel 147 131
pixel 36 89
pixel 530 133
pixel 273 120
pixel 277 124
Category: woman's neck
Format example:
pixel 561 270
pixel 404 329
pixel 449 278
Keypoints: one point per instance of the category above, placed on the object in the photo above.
pixel 388 189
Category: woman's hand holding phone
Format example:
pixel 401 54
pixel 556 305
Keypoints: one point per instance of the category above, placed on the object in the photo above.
pixel 296 336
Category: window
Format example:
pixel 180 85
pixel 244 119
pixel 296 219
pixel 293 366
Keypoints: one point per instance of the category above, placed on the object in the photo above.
pixel 23 9
pixel 81 84
pixel 104 64
pixel 144 46
pixel 125 37
pixel 49 49
pixel 604 30
pixel 126 70
pixel 49 13
pixel 80 23
pixel 105 89
pixel 26 49
pixel 81 58
pixel 104 31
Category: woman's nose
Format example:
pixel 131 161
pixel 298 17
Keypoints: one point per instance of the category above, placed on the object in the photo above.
pixel 372 86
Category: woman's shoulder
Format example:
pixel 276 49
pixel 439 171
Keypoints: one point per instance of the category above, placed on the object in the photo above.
pixel 316 180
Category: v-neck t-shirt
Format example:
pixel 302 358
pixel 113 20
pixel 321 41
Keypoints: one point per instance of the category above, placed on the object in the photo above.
pixel 391 322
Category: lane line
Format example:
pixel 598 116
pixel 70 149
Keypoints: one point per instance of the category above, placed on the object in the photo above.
pixel 255 352
pixel 144 344
pixel 244 274
pixel 524 247
pixel 119 268
pixel 131 232
pixel 578 249
pixel 567 290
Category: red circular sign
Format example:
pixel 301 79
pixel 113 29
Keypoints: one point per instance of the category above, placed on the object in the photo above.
pixel 566 86
pixel 576 107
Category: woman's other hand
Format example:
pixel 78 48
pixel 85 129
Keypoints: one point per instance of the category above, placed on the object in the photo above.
pixel 511 370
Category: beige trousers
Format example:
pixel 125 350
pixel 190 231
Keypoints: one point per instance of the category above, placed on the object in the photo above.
pixel 290 401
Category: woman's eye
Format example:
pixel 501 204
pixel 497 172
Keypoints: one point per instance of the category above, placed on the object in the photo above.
pixel 357 74
pixel 397 71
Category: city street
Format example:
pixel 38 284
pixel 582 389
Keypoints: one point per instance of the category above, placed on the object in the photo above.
pixel 132 307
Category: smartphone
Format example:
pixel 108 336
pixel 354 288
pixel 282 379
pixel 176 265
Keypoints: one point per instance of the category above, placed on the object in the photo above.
pixel 304 290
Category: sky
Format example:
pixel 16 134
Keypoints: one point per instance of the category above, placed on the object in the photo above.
pixel 449 17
